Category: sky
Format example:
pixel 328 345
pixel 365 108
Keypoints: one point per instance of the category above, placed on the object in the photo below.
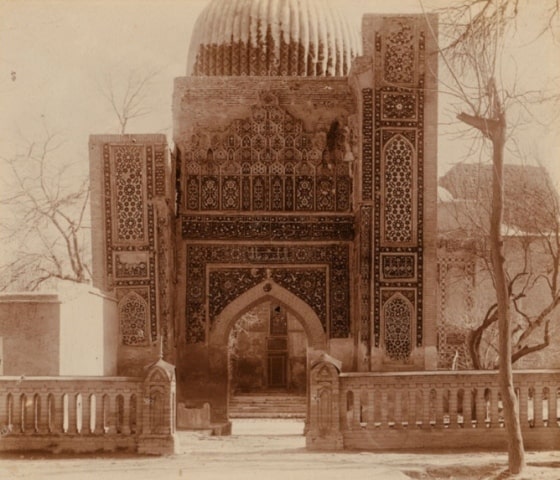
pixel 54 54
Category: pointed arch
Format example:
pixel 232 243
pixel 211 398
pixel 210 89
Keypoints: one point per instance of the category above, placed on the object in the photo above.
pixel 266 291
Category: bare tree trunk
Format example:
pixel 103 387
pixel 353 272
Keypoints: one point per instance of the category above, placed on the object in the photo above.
pixel 516 452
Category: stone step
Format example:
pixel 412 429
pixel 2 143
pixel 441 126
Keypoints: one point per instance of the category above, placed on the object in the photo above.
pixel 268 406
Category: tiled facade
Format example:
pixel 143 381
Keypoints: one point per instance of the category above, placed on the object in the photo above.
pixel 312 189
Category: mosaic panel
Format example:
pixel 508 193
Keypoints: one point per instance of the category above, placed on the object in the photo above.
pixel 398 317
pixel 398 266
pixel 133 317
pixel 128 162
pixel 267 162
pixel 310 285
pixel 159 172
pixel 365 271
pixel 283 262
pixel 398 170
pixel 280 227
pixel 398 58
pixel 131 265
pixel 130 235
pixel 225 285
pixel 367 143
pixel 399 189
pixel 398 106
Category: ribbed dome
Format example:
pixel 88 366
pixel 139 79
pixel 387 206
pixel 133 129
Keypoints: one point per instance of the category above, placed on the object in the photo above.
pixel 272 38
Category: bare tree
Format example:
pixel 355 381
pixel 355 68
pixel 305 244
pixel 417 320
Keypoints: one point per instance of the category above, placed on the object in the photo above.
pixel 128 95
pixel 531 245
pixel 45 219
pixel 474 33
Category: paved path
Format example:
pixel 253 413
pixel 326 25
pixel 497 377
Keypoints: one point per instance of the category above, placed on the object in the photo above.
pixel 265 450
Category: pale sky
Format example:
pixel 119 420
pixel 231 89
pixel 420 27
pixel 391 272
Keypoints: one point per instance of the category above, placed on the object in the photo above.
pixel 53 53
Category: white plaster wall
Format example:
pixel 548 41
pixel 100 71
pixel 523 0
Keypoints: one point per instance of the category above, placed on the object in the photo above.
pixel 87 339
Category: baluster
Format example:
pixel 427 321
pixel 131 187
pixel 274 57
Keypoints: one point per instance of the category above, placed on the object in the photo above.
pixel 44 421
pixel 99 413
pixel 65 413
pixel 79 409
pixel 91 415
pixel 134 414
pixel 114 414
pixel 86 413
pixel 53 423
pixel 23 419
pixel 38 414
pixel 537 406
pixel 72 414
pixel 105 413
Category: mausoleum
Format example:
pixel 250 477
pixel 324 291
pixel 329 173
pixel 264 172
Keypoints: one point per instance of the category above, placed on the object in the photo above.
pixel 298 204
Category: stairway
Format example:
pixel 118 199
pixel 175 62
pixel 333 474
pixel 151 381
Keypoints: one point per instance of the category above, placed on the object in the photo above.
pixel 267 405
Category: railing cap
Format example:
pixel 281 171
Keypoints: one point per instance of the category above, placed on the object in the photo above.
pixel 326 358
pixel 166 368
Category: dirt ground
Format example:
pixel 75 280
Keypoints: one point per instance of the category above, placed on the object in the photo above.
pixel 271 450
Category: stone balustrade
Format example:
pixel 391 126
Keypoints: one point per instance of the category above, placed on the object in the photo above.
pixel 425 410
pixel 89 414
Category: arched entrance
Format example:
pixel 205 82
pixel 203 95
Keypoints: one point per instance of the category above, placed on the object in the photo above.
pixel 272 336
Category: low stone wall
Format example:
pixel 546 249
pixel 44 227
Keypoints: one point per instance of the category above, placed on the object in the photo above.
pixel 428 410
pixel 90 414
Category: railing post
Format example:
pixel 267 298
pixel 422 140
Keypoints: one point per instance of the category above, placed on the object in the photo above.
pixel 158 423
pixel 324 431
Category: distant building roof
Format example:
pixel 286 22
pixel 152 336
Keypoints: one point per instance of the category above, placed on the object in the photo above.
pixel 531 202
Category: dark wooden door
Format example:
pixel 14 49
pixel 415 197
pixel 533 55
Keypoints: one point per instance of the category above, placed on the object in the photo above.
pixel 277 377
